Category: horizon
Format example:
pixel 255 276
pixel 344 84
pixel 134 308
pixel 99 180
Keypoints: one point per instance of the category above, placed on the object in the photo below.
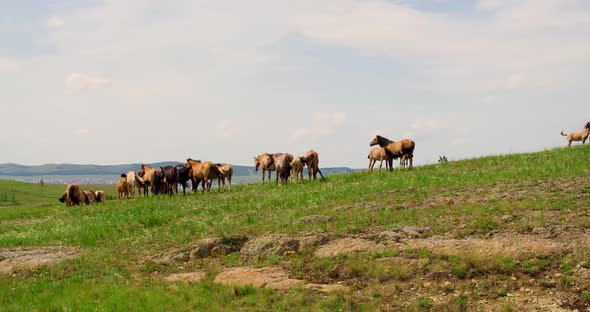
pixel 110 82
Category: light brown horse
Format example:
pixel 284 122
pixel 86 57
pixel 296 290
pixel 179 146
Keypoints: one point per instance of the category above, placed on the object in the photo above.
pixel 312 159
pixel 91 196
pixel 133 181
pixel 202 172
pixel 581 135
pixel 151 176
pixel 266 163
pixel 399 149
pixel 378 154
pixel 122 187
pixel 297 166
pixel 225 172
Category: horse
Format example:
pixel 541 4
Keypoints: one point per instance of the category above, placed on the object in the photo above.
pixel 182 176
pixel 282 162
pixel 73 196
pixel 375 154
pixel 91 196
pixel 202 172
pixel 170 179
pixel 225 172
pixel 151 177
pixel 122 187
pixel 581 135
pixel 312 160
pixel 100 196
pixel 265 162
pixel 297 166
pixel 133 181
pixel 395 150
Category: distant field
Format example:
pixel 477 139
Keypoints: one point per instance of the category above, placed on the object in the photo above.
pixel 490 234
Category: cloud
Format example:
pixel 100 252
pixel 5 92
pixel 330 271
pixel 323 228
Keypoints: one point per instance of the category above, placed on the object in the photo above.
pixel 83 82
pixel 55 22
pixel 322 124
pixel 515 80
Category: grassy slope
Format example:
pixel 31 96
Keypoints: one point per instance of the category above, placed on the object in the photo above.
pixel 117 237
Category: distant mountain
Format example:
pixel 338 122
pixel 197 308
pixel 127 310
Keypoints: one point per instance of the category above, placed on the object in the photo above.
pixel 15 170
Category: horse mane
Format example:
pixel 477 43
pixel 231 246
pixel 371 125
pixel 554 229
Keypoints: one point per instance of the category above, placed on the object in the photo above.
pixel 587 125
pixel 123 175
pixel 383 140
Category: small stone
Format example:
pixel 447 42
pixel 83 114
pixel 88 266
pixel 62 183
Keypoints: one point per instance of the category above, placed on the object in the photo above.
pixel 512 278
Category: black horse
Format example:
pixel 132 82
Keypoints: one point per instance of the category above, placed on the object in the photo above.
pixel 169 173
pixel 182 177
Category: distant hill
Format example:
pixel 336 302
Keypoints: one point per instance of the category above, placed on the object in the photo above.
pixel 15 170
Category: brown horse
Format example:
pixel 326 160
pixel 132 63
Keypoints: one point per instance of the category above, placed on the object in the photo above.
pixel 101 197
pixel 282 162
pixel 202 172
pixel 581 135
pixel 312 159
pixel 264 161
pixel 395 150
pixel 91 195
pixel 378 153
pixel 74 196
pixel 225 172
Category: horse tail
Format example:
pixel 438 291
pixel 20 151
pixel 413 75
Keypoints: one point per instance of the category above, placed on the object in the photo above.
pixel 123 175
pixel 321 175
pixel 564 134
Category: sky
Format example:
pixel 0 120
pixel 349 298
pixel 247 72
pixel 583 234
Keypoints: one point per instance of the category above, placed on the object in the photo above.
pixel 113 81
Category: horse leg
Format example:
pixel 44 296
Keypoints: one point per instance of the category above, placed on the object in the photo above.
pixel 411 161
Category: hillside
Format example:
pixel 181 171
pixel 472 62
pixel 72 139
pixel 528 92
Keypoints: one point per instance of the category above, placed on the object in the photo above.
pixel 495 233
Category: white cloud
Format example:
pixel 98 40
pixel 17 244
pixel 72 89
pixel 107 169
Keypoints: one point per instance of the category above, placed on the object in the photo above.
pixel 84 82
pixel 55 22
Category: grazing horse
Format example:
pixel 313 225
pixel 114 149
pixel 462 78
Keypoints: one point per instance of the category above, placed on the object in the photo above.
pixel 265 162
pixel 133 181
pixel 122 187
pixel 170 178
pixel 202 172
pixel 282 162
pixel 400 149
pixel 91 195
pixel 312 160
pixel 378 153
pixel 182 176
pixel 100 196
pixel 152 177
pixel 297 166
pixel 74 196
pixel 581 135
pixel 225 172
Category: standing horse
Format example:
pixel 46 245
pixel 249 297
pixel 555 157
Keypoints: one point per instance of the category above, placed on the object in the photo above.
pixel 312 159
pixel 400 149
pixel 182 176
pixel 282 162
pixel 202 172
pixel 378 153
pixel 170 178
pixel 151 177
pixel 264 161
pixel 225 172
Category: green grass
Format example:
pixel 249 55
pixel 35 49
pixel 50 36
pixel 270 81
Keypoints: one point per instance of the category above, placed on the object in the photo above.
pixel 116 237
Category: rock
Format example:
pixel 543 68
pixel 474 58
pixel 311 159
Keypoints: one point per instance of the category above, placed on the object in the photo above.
pixel 507 218
pixel 213 247
pixel 270 277
pixel 314 219
pixel 190 277
pixel 277 244
pixel 327 288
pixel 31 258
pixel 344 246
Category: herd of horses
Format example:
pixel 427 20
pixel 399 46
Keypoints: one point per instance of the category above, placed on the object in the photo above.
pixel 165 180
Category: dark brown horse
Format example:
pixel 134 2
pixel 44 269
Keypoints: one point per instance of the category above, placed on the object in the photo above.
pixel 170 178
pixel 400 149
pixel 182 176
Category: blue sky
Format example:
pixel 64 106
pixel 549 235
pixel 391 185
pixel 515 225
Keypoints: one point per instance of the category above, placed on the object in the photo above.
pixel 142 81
